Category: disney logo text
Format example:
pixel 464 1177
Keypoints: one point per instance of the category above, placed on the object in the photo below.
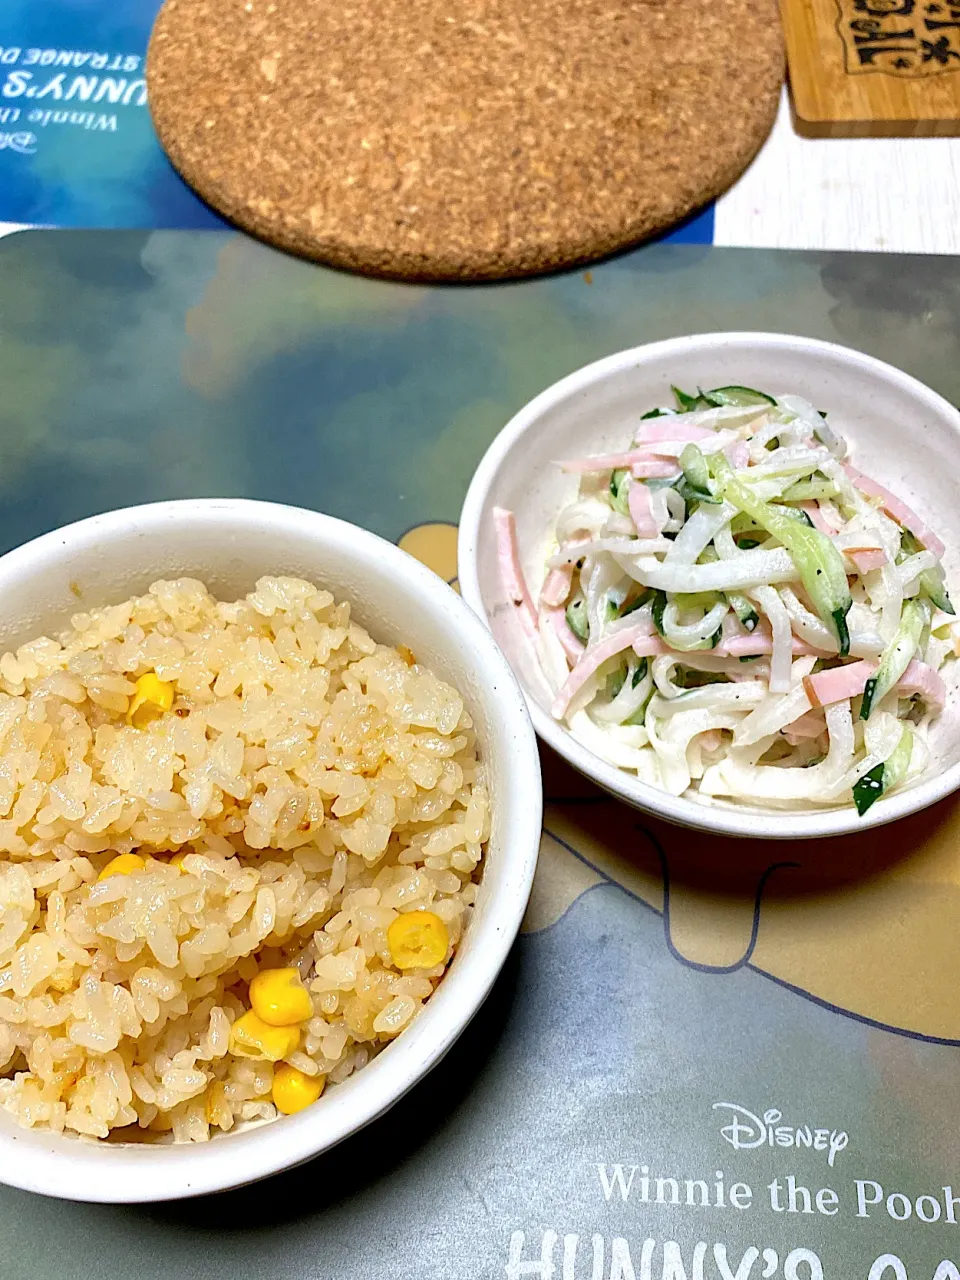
pixel 746 1131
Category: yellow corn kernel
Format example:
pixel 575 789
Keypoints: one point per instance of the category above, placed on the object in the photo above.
pixel 122 865
pixel 152 698
pixel 293 1090
pixel 280 998
pixel 418 940
pixel 251 1037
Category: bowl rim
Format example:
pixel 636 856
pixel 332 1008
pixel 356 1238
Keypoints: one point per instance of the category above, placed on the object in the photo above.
pixel 87 1170
pixel 679 810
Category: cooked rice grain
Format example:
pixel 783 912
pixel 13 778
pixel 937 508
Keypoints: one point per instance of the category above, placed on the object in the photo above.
pixel 317 784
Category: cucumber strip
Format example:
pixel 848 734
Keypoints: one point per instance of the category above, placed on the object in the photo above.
pixel 576 615
pixel 615 681
pixel 895 769
pixel 744 610
pixel 810 490
pixel 641 600
pixel 696 599
pixel 653 413
pixel 641 711
pixel 685 403
pixel 659 604
pixel 793 513
pixel 896 657
pixel 694 467
pixel 743 524
pixel 744 396
pixel 692 496
pixel 867 789
pixel 932 581
pixel 884 777
pixel 662 482
pixel 619 484
pixel 818 561
pixel 705 399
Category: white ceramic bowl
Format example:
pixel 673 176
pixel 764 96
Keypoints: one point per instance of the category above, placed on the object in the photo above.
pixel 900 432
pixel 229 544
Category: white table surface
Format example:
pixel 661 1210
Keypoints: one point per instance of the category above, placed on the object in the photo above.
pixel 895 195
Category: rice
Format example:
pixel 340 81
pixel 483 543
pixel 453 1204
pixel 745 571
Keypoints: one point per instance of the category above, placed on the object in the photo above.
pixel 317 785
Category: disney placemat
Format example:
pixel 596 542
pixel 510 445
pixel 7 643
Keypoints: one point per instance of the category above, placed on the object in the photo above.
pixel 705 1060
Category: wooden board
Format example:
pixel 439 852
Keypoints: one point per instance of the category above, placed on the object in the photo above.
pixel 871 68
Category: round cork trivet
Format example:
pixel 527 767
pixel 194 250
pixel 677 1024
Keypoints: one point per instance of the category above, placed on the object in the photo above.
pixel 462 139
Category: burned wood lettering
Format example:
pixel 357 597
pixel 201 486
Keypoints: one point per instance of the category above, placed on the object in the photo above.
pixel 910 38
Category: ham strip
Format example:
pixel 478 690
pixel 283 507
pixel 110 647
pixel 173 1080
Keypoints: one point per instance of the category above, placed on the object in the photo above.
pixel 817 518
pixel 899 510
pixel 571 644
pixel 607 461
pixel 598 655
pixel 556 586
pixel 760 642
pixel 647 468
pixel 838 683
pixel 810 725
pixel 738 455
pixel 865 561
pixel 511 574
pixel 850 681
pixel 641 511
pixel 919 678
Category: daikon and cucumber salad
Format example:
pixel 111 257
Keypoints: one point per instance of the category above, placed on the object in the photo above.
pixel 730 608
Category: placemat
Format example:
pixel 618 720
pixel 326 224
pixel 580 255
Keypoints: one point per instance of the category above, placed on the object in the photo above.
pixel 705 1060
pixel 462 139
pixel 77 147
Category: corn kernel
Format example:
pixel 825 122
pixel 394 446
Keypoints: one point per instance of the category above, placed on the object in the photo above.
pixel 293 1090
pixel 418 940
pixel 251 1037
pixel 280 998
pixel 152 698
pixel 122 865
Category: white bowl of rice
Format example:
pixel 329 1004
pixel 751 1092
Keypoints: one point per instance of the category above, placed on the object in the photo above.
pixel 253 761
pixel 718 566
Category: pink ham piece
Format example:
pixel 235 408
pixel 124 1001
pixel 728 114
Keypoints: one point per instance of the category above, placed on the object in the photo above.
pixel 607 461
pixel 838 683
pixel 760 642
pixel 899 510
pixel 869 559
pixel 511 574
pixel 654 468
pixel 817 518
pixel 670 429
pixel 810 725
pixel 598 655
pixel 850 681
pixel 919 678
pixel 649 646
pixel 556 586
pixel 571 644
pixel 738 454
pixel 641 512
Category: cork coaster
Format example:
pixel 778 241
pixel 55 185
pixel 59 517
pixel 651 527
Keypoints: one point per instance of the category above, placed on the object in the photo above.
pixel 462 139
